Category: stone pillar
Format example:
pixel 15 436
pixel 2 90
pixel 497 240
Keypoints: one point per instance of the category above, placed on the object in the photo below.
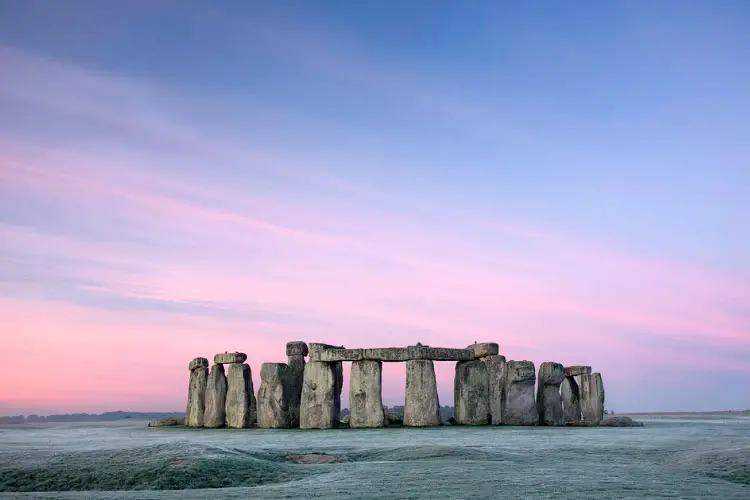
pixel 520 404
pixel 216 398
pixel 548 400
pixel 196 405
pixel 496 378
pixel 273 396
pixel 570 400
pixel 338 371
pixel 422 408
pixel 295 352
pixel 365 394
pixel 318 402
pixel 592 398
pixel 471 393
pixel 241 405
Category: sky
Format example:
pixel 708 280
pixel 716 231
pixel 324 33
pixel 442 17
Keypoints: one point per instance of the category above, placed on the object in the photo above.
pixel 570 180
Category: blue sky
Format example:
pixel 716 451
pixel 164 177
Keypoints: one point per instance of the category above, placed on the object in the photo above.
pixel 596 151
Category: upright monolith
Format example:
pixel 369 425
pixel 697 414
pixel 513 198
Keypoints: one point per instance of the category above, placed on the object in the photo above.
pixel 241 405
pixel 318 402
pixel 216 398
pixel 592 398
pixel 520 403
pixel 365 394
pixel 422 407
pixel 196 405
pixel 295 352
pixel 549 402
pixel 471 393
pixel 273 396
pixel 570 395
pixel 496 380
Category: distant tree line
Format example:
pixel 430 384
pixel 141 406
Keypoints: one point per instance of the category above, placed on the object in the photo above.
pixel 88 417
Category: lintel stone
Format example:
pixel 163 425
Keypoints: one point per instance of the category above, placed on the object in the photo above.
pixel 574 371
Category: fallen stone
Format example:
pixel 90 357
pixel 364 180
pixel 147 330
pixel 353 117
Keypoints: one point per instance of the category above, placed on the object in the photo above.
pixel 318 404
pixel 592 398
pixel 394 418
pixel 198 363
pixel 620 422
pixel 166 422
pixel 296 374
pixel 228 358
pixel 216 398
pixel 570 400
pixel 365 394
pixel 496 381
pixel 484 349
pixel 196 405
pixel 273 396
pixel 241 405
pixel 296 348
pixel 315 459
pixel 422 407
pixel 471 393
pixel 520 403
pixel 574 371
pixel 549 401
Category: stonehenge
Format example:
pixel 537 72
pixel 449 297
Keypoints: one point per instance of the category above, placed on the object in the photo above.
pixel 305 392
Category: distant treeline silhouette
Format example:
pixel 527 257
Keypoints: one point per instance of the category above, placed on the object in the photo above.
pixel 110 416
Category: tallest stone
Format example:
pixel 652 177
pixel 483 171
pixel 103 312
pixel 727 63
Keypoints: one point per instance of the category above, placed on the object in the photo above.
pixel 295 352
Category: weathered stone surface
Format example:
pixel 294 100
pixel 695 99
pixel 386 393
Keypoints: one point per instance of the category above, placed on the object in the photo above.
pixel 198 363
pixel 520 403
pixel 273 396
pixel 471 393
pixel 570 400
pixel 315 347
pixel 216 398
pixel 548 400
pixel 620 422
pixel 296 348
pixel 574 371
pixel 228 358
pixel 592 398
pixel 315 459
pixel 296 373
pixel 422 407
pixel 346 419
pixel 166 422
pixel 241 405
pixel 391 354
pixel 496 381
pixel 196 406
pixel 482 350
pixel 365 394
pixel 318 404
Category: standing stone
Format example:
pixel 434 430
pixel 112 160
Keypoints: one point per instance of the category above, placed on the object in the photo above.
pixel 273 396
pixel 422 407
pixel 318 403
pixel 338 371
pixel 570 400
pixel 296 352
pixel 196 405
pixel 241 404
pixel 365 394
pixel 592 398
pixel 496 378
pixel 216 398
pixel 471 393
pixel 548 400
pixel 520 404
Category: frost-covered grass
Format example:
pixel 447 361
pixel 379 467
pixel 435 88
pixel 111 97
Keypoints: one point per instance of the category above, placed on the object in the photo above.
pixel 685 458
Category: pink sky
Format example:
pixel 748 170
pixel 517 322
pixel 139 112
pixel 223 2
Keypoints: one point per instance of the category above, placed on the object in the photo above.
pixel 133 239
